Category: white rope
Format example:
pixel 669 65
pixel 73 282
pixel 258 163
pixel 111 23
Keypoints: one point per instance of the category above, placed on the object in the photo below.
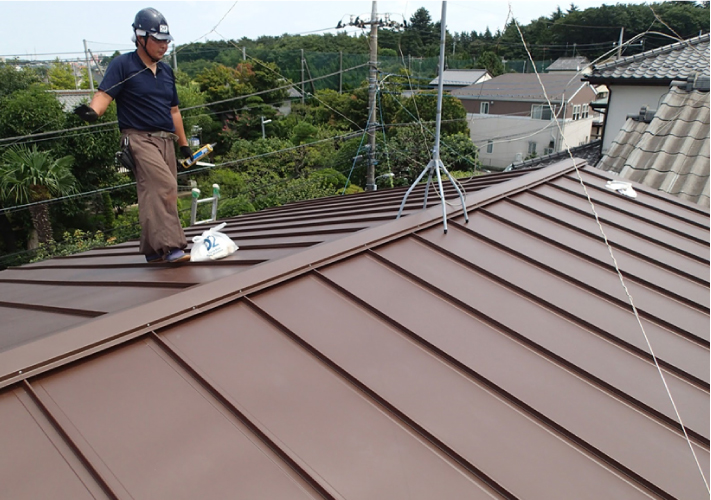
pixel 617 268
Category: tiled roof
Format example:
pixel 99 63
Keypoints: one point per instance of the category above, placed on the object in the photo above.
pixel 70 99
pixel 522 86
pixel 671 62
pixel 569 64
pixel 589 152
pixel 500 360
pixel 670 153
pixel 461 76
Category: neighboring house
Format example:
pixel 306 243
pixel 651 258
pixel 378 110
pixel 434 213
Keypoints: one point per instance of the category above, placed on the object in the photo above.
pixel 643 79
pixel 667 148
pixel 70 99
pixel 458 78
pixel 579 64
pixel 294 95
pixel 343 354
pixel 599 105
pixel 510 119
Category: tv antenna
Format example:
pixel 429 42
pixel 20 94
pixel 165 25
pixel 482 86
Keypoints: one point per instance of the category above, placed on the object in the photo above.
pixel 435 165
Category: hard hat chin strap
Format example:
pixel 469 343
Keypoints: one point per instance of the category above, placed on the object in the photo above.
pixel 144 45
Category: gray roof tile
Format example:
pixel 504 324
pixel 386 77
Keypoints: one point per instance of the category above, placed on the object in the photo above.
pixel 671 153
pixel 675 61
pixel 569 64
pixel 461 77
pixel 522 86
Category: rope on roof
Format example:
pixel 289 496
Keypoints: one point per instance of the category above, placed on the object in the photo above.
pixel 619 273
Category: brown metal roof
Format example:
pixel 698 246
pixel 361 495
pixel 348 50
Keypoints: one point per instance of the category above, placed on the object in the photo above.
pixel 500 360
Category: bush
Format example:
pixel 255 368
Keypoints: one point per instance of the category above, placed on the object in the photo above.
pixel 126 226
pixel 234 206
pixel 72 243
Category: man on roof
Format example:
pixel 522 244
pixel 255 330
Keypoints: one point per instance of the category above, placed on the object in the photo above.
pixel 150 121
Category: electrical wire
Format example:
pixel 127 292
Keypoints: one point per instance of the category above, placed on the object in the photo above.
pixel 198 106
pixel 293 86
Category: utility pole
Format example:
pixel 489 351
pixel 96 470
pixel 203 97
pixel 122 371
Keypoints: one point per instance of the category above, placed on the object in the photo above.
pixel 95 60
pixel 264 135
pixel 374 22
pixel 340 72
pixel 88 68
pixel 303 89
pixel 372 89
pixel 175 59
pixel 619 45
pixel 74 72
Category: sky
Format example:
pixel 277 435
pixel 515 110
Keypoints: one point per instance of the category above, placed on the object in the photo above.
pixel 46 30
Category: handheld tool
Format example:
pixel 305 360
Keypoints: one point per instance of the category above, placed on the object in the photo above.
pixel 198 155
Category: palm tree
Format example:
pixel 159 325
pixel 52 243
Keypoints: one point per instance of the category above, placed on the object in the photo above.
pixel 28 176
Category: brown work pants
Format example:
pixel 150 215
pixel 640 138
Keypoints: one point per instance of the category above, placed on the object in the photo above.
pixel 157 186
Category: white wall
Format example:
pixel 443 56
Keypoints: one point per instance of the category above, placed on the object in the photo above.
pixel 511 135
pixel 626 100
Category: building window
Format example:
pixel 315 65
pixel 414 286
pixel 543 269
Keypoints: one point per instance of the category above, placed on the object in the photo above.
pixel 576 112
pixel 490 147
pixel 586 111
pixel 484 108
pixel 531 148
pixel 550 149
pixel 541 112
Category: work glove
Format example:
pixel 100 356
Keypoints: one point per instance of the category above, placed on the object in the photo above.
pixel 186 152
pixel 86 113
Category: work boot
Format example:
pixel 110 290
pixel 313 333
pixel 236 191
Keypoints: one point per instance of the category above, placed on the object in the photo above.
pixel 154 258
pixel 176 255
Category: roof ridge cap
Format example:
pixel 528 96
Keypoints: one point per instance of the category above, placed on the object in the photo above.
pixel 655 52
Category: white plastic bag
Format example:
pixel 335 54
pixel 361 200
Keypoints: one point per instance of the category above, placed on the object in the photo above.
pixel 212 245
pixel 622 187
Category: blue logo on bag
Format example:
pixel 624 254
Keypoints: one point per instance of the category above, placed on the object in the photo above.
pixel 211 242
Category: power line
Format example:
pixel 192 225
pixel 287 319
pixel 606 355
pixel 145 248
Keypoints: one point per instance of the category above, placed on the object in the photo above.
pixel 83 127
pixel 180 174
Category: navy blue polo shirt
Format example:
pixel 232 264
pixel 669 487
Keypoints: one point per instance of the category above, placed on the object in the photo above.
pixel 143 99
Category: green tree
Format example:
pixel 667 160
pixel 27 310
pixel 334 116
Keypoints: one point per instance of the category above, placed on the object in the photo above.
pixel 93 153
pixel 410 150
pixel 220 83
pixel 61 76
pixel 423 107
pixel 491 62
pixel 28 175
pixel 191 97
pixel 12 79
pixel 30 111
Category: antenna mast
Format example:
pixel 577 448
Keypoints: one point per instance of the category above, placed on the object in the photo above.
pixel 435 164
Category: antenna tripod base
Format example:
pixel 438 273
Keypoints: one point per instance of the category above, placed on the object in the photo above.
pixel 434 166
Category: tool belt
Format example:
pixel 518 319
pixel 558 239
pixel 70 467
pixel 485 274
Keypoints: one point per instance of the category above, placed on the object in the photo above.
pixel 124 157
pixel 158 133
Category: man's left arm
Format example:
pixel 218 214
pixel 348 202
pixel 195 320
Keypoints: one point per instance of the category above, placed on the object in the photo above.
pixel 180 132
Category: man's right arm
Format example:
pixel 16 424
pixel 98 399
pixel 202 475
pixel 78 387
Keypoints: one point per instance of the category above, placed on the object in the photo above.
pixel 97 107
pixel 100 102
